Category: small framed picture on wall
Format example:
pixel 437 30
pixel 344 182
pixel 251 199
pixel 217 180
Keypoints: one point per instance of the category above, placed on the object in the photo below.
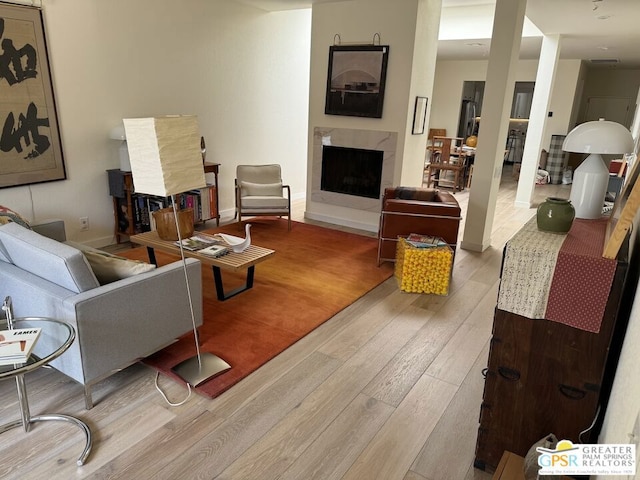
pixel 419 115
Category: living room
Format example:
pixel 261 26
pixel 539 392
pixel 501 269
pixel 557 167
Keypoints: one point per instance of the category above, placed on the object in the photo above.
pixel 118 59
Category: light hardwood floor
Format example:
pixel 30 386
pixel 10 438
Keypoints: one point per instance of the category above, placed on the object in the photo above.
pixel 390 388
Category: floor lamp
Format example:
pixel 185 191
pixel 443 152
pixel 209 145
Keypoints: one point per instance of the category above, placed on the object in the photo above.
pixel 166 160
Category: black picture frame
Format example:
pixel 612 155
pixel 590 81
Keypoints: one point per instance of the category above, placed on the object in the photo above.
pixel 30 145
pixel 419 115
pixel 356 80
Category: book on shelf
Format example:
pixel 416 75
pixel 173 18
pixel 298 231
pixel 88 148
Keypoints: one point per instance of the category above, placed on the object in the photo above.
pixel 204 203
pixel 215 251
pixel 16 345
pixel 425 241
pixel 199 241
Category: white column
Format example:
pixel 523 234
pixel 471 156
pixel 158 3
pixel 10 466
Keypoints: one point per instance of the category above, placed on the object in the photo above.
pixel 545 78
pixel 494 125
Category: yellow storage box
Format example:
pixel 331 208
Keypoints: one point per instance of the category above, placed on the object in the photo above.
pixel 423 270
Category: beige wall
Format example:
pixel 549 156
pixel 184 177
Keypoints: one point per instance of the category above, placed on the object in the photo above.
pixel 612 83
pixel 450 76
pixel 242 71
pixel 356 22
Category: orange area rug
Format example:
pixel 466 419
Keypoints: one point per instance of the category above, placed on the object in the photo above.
pixel 315 273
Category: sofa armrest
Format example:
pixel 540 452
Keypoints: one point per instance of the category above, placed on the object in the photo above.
pixel 446 197
pixel 118 323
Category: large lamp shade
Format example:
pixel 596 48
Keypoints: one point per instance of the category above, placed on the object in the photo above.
pixel 165 154
pixel 591 178
pixel 166 159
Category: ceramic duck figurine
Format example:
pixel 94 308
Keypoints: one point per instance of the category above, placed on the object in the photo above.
pixel 237 244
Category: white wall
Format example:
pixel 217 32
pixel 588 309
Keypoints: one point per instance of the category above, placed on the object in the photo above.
pixel 244 73
pixel 450 76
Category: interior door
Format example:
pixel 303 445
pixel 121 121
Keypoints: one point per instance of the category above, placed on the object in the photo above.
pixel 615 109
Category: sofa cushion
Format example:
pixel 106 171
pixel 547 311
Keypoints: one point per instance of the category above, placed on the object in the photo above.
pixel 54 261
pixel 108 267
pixel 416 193
pixel 261 189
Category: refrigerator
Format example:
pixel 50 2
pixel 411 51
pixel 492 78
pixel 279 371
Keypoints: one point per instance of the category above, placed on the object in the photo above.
pixel 467 124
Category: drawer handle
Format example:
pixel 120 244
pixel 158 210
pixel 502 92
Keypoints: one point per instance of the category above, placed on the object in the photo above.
pixel 509 374
pixel 572 392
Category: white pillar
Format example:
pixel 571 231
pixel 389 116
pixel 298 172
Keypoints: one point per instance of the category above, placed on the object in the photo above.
pixel 494 125
pixel 545 78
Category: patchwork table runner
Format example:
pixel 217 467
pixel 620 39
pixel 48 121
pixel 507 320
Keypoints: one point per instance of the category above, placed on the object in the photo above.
pixel 562 278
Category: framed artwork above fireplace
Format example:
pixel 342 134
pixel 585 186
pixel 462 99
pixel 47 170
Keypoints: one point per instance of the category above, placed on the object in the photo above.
pixel 356 80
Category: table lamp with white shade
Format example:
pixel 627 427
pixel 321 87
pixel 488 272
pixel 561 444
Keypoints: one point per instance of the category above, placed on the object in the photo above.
pixel 591 178
pixel 166 160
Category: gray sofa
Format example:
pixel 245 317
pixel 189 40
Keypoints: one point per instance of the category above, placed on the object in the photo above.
pixel 116 324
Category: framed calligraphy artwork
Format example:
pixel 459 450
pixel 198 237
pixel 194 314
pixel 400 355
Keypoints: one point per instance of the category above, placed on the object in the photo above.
pixel 30 147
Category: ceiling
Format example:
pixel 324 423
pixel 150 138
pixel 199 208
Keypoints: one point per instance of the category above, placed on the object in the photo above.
pixel 599 30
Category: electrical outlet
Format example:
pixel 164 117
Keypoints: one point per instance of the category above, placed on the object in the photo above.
pixel 84 223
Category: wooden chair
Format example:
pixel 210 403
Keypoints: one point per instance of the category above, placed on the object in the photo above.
pixel 260 192
pixel 449 157
pixel 431 145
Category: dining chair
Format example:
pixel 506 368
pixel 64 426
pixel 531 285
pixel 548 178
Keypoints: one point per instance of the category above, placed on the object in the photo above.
pixel 447 157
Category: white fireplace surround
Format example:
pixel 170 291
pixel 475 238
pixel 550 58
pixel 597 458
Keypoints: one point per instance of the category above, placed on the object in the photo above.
pixel 364 139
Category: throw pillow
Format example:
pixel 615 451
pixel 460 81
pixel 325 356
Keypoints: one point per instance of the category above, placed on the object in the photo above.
pixel 7 215
pixel 108 267
pixel 262 189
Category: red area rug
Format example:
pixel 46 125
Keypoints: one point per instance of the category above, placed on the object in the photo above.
pixel 315 273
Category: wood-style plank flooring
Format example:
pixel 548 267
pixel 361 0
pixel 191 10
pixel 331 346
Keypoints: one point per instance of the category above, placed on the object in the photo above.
pixel 390 388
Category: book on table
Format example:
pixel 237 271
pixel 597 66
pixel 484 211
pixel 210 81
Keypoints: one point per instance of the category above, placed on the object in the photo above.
pixel 16 345
pixel 425 241
pixel 215 251
pixel 199 241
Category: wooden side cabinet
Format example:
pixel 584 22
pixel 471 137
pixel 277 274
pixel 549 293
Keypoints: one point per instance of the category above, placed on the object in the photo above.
pixel 546 377
pixel 132 211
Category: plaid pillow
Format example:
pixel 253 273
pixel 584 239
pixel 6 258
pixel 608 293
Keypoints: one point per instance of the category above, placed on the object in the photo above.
pixel 7 215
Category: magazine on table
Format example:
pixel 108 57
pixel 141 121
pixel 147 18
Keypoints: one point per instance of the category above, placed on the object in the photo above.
pixel 425 241
pixel 16 345
pixel 215 251
pixel 199 241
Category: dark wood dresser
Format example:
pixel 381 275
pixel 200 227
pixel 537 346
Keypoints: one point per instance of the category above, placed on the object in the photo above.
pixel 547 377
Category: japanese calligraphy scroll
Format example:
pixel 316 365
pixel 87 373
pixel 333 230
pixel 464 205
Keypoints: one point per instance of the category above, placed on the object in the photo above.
pixel 30 149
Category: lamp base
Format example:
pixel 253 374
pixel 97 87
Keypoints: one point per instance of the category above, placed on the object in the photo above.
pixel 195 373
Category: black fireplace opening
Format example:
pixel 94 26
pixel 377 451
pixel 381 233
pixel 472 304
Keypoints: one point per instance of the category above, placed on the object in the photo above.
pixel 351 171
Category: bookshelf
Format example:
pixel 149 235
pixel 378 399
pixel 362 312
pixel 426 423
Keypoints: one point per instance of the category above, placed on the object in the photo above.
pixel 132 211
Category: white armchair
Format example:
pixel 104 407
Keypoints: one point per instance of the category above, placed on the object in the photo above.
pixel 260 192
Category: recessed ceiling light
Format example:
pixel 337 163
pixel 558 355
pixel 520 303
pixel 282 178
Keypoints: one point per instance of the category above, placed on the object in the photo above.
pixel 475 44
pixel 603 17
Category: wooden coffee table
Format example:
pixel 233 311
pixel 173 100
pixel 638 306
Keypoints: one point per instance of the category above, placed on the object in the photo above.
pixel 234 262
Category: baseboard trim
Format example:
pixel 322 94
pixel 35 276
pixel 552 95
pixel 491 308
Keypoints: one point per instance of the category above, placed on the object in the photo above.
pixel 341 221
pixel 474 247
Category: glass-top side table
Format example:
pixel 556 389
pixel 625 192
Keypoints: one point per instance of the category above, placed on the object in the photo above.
pixel 49 347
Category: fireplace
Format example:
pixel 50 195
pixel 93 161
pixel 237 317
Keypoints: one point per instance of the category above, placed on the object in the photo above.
pixel 351 171
pixel 345 191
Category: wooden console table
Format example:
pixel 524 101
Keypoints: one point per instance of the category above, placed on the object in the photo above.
pixel 549 376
